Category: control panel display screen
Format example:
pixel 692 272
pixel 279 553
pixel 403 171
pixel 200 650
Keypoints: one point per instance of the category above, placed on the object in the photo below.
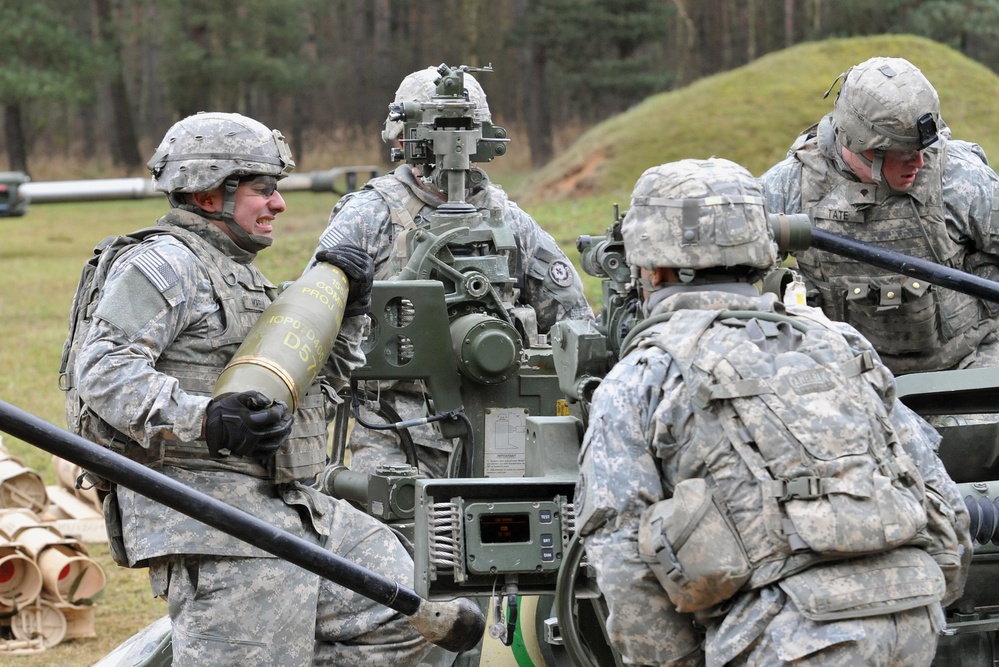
pixel 504 528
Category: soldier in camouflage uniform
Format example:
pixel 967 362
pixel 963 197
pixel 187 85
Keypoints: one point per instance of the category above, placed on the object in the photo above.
pixel 377 217
pixel 697 231
pixel 174 309
pixel 882 168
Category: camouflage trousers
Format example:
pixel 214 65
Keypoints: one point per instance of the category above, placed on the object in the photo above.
pixel 266 611
pixel 784 637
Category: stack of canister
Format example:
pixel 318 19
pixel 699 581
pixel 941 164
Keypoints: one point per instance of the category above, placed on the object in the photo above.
pixel 20 486
pixel 48 582
pixel 53 584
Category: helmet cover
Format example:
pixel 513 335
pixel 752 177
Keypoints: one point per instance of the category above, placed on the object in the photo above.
pixel 698 214
pixel 201 151
pixel 886 104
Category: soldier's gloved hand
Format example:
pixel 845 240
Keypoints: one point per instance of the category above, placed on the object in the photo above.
pixel 246 424
pixel 360 269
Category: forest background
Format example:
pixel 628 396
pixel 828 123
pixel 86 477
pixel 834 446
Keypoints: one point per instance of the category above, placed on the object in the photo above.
pixel 89 87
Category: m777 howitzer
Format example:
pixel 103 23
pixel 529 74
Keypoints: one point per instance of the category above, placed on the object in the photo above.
pixel 499 525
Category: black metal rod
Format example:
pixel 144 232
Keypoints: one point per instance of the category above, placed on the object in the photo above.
pixel 914 267
pixel 215 513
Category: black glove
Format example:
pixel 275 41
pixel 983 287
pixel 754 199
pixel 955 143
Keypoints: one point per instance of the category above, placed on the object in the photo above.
pixel 246 424
pixel 360 268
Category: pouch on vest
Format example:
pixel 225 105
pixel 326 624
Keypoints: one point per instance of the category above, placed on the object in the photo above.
pixel 855 519
pixel 112 523
pixel 692 548
pixel 886 583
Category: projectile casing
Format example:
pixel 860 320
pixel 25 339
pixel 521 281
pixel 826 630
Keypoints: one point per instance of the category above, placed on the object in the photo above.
pixel 288 345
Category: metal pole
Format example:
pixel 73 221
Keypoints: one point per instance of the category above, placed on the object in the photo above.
pixel 795 232
pixel 914 267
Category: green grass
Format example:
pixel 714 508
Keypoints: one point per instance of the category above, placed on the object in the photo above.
pixel 749 115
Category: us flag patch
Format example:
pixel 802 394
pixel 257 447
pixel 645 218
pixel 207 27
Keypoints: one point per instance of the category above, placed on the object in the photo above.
pixel 331 238
pixel 157 270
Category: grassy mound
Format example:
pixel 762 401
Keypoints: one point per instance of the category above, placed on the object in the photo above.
pixel 752 114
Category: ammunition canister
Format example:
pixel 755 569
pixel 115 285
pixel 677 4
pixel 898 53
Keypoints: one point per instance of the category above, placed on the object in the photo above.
pixel 20 578
pixel 290 342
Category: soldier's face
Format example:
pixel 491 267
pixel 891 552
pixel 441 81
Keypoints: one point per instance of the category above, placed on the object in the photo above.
pixel 898 169
pixel 257 205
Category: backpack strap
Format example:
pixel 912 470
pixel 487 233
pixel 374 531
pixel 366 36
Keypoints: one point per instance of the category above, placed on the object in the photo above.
pixel 403 211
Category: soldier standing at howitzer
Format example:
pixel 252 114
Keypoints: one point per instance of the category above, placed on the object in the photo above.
pixel 172 313
pixel 379 217
pixel 882 169
pixel 751 492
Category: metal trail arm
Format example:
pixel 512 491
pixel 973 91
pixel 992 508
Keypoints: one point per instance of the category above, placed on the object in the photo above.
pixel 456 625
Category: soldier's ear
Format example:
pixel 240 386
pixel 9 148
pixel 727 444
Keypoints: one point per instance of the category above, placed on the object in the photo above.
pixel 210 202
pixel 662 275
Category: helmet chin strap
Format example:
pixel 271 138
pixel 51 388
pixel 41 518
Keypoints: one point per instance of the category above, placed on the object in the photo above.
pixel 875 164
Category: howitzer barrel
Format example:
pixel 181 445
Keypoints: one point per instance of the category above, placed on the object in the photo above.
pixel 290 341
pixel 109 189
pixel 456 626
pixel 795 232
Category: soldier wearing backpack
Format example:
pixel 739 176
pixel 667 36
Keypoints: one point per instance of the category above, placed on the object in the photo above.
pixel 172 309
pixel 750 491
pixel 380 217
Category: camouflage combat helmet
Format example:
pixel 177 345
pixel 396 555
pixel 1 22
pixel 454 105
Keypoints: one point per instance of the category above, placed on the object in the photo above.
pixel 212 150
pixel 886 104
pixel 421 86
pixel 695 215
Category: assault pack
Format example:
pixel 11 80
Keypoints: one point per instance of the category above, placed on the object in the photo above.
pixel 79 419
pixel 800 460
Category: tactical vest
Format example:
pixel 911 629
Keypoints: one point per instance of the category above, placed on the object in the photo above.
pixel 792 439
pixel 913 325
pixel 242 293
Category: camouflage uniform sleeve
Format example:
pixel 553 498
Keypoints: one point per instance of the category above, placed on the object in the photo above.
pixel 363 219
pixel 971 195
pixel 782 186
pixel 619 478
pixel 551 283
pixel 948 521
pixel 140 314
pixel 346 354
